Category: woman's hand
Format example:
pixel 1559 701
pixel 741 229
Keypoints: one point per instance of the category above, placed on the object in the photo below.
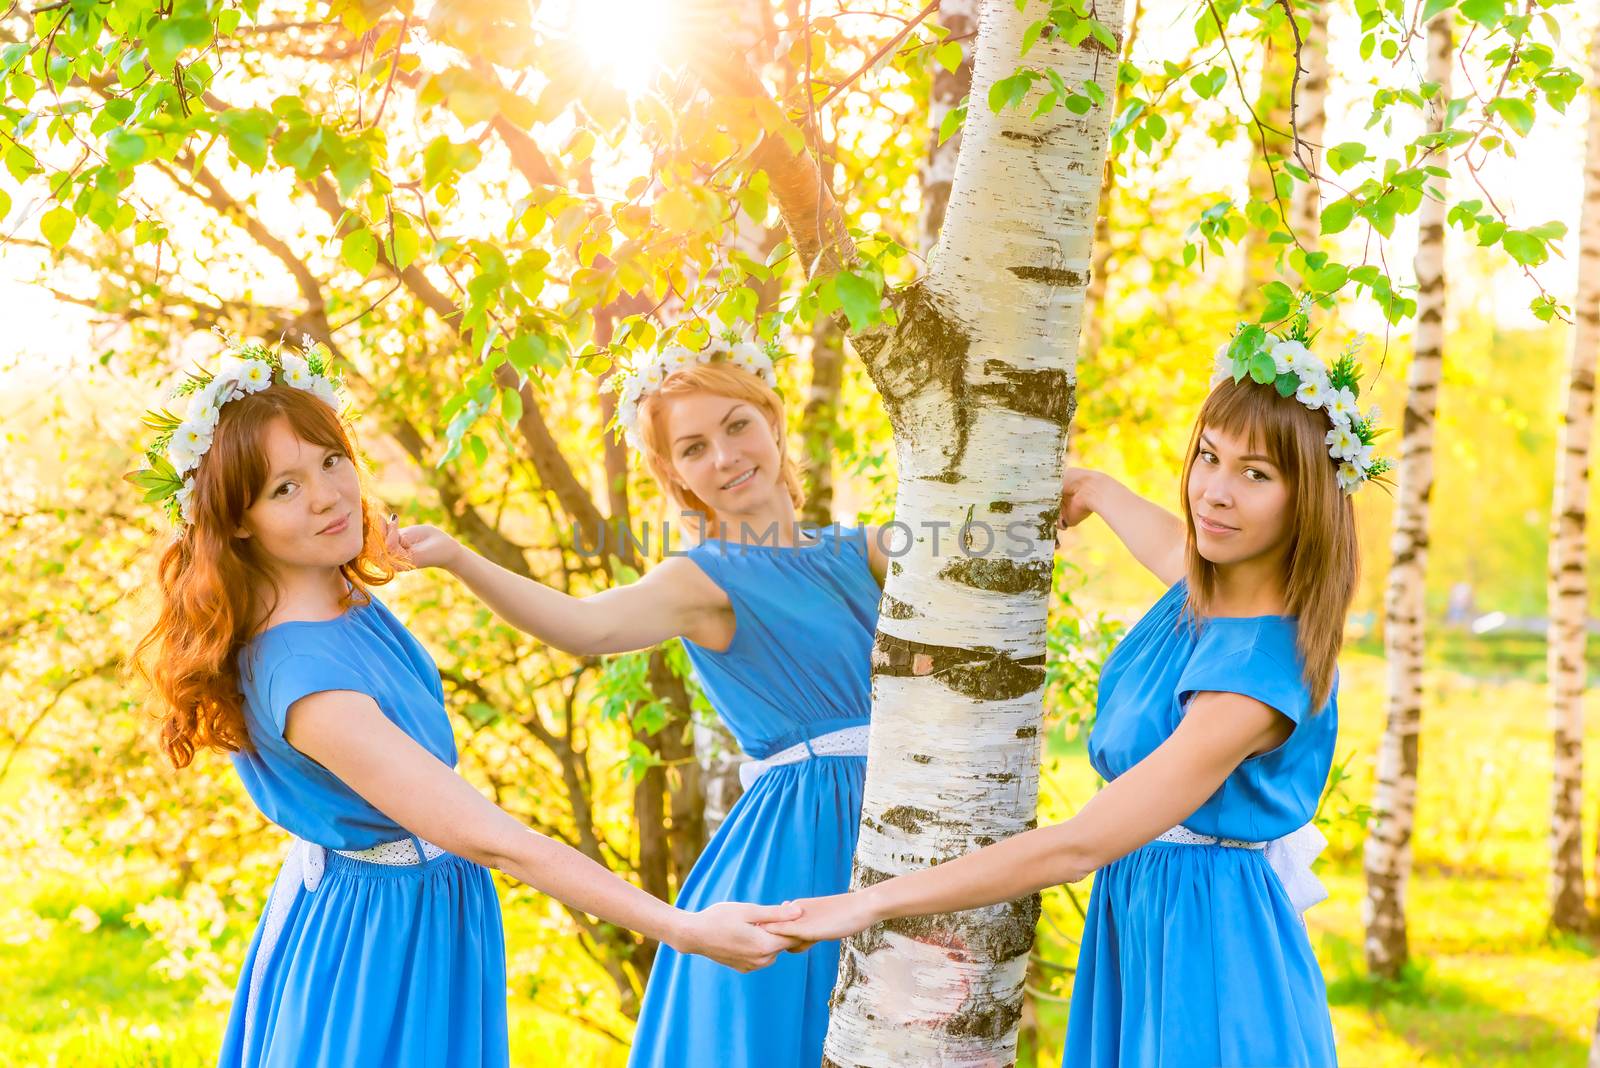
pixel 826 918
pixel 1077 486
pixel 423 545
pixel 734 934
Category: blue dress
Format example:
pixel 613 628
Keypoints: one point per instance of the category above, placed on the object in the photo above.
pixel 1192 955
pixel 798 668
pixel 358 964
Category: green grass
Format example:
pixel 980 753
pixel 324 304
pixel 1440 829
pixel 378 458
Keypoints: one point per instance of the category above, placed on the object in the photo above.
pixel 1489 985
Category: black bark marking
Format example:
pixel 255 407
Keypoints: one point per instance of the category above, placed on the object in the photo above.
pixel 895 608
pixel 1044 394
pixel 984 674
pixel 1051 276
pixel 999 574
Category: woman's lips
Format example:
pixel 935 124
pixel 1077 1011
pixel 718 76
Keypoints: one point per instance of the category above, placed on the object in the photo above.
pixel 1211 527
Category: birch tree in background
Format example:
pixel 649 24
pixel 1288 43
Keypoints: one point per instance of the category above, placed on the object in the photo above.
pixel 1387 856
pixel 1568 589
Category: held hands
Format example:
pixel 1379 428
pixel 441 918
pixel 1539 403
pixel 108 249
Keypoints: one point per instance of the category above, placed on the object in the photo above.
pixel 421 546
pixel 825 919
pixel 735 934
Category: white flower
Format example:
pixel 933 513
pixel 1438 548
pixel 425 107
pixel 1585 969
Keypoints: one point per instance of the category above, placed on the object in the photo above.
pixel 255 376
pixel 652 376
pixel 675 358
pixel 1313 391
pixel 1342 443
pixel 1361 456
pixel 1341 405
pixel 632 390
pixel 202 409
pixel 296 372
pixel 705 355
pixel 322 389
pixel 1372 416
pixel 185 498
pixel 1349 476
pixel 189 442
pixel 1291 355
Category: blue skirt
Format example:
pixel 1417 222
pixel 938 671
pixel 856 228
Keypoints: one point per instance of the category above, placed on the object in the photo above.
pixel 1192 957
pixel 379 966
pixel 791 836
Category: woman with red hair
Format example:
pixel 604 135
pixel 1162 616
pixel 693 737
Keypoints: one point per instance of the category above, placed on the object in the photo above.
pixel 382 942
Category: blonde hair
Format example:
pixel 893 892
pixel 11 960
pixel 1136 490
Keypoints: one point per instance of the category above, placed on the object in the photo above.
pixel 724 380
pixel 1323 558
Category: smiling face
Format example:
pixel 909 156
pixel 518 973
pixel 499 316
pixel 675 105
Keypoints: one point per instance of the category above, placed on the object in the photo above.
pixel 308 511
pixel 725 452
pixel 1239 500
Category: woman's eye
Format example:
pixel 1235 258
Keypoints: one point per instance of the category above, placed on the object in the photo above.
pixel 692 450
pixel 281 490
pixel 1256 476
pixel 737 425
pixel 333 458
pixel 1208 456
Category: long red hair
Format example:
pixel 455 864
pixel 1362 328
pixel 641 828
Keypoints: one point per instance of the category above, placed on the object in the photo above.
pixel 1321 566
pixel 215 588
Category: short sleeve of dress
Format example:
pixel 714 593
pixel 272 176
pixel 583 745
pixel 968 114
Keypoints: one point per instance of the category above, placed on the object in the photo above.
pixel 300 675
pixel 1256 658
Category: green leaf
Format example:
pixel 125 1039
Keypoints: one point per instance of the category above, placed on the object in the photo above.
pixel 527 351
pixel 1287 384
pixel 1342 157
pixel 1262 368
pixel 1338 215
pixel 404 244
pixel 951 123
pixel 948 55
pixel 1433 7
pixel 5 205
pixel 753 197
pixel 1483 12
pixel 1524 247
pixel 125 150
pixel 1519 113
pixel 57 225
pixel 359 250
pixel 859 299
pixel 170 37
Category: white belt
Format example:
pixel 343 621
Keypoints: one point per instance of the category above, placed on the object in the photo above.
pixel 1290 857
pixel 850 741
pixel 302 869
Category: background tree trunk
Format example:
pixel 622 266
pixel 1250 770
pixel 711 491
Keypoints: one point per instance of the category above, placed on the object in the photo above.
pixel 950 88
pixel 1569 550
pixel 976 379
pixel 1310 120
pixel 1094 314
pixel 1387 857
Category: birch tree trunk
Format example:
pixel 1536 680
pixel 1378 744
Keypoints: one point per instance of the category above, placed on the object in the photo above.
pixel 977 378
pixel 1271 142
pixel 1569 579
pixel 1388 847
pixel 1310 113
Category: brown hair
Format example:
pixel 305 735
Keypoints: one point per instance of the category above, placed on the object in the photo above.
pixel 724 380
pixel 1323 555
pixel 210 580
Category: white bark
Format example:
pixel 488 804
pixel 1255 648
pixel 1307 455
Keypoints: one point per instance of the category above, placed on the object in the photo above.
pixel 1388 845
pixel 1569 579
pixel 978 381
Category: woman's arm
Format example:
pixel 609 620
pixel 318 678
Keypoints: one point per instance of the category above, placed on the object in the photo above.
pixel 675 599
pixel 348 734
pixel 1218 732
pixel 1155 536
